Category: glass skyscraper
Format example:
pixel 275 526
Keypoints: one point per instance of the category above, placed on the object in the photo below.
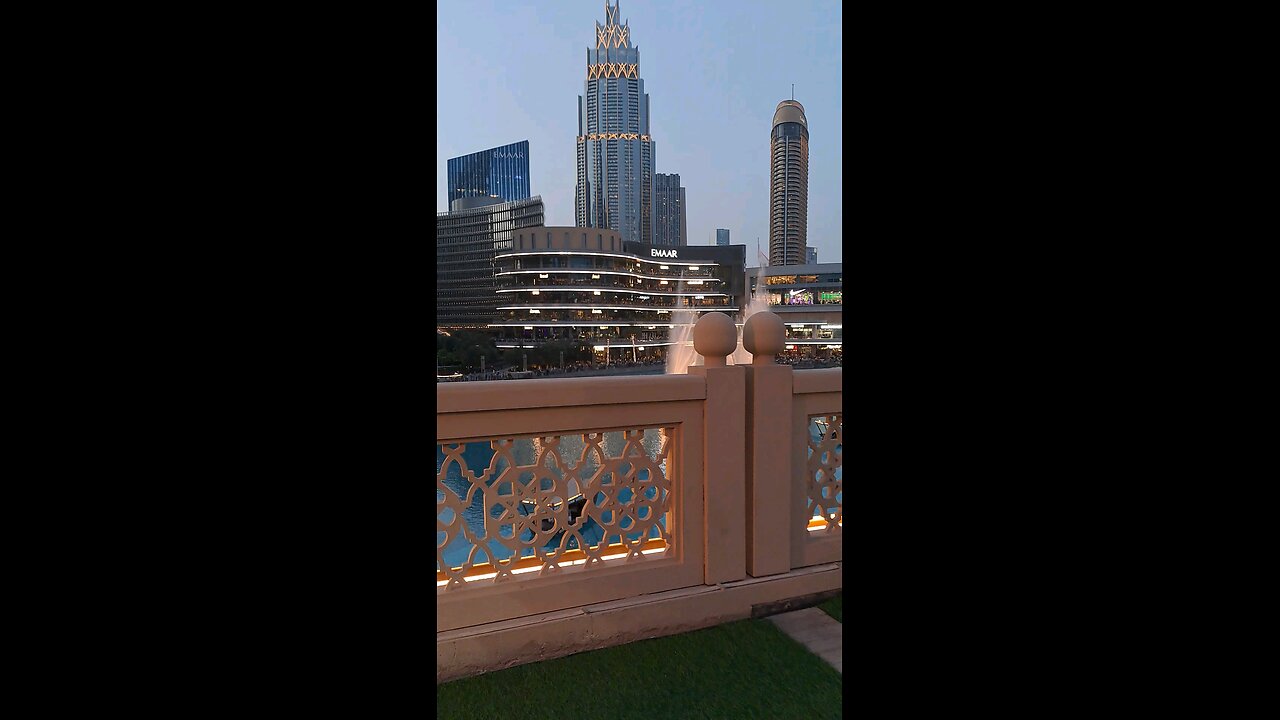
pixel 501 172
pixel 670 224
pixel 722 236
pixel 788 185
pixel 615 151
pixel 467 240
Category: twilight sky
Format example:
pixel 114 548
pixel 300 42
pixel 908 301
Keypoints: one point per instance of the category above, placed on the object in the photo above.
pixel 714 70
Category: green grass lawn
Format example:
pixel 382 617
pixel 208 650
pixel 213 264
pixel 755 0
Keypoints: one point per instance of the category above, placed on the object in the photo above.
pixel 834 607
pixel 745 669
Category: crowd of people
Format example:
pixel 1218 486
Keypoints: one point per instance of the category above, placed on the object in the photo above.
pixel 569 369
pixel 806 363
pixel 580 366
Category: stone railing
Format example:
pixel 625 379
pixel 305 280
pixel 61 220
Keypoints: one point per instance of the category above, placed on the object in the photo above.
pixel 585 495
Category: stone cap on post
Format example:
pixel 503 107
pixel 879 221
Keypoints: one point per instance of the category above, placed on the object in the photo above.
pixel 714 338
pixel 764 335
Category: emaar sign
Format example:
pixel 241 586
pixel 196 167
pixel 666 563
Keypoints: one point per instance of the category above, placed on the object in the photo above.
pixel 663 253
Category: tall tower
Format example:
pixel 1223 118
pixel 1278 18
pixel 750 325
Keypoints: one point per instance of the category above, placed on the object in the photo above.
pixel 788 185
pixel 615 152
pixel 670 215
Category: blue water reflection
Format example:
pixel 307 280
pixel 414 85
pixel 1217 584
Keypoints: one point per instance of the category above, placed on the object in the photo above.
pixel 478 455
pixel 819 429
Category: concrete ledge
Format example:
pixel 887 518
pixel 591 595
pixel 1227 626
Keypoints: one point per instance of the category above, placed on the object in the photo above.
pixel 566 392
pixel 815 381
pixel 493 646
pixel 791 604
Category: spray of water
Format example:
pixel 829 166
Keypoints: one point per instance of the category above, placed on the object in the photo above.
pixel 740 355
pixel 680 353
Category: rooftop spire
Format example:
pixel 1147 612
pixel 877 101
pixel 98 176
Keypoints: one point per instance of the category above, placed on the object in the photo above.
pixel 614 33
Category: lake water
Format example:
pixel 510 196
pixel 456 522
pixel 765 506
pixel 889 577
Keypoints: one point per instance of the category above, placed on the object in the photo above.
pixel 478 455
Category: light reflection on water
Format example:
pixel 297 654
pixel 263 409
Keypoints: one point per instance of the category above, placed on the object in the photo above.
pixel 816 432
pixel 478 455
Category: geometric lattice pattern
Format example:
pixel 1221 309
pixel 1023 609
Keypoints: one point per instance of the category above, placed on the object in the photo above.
pixel 824 496
pixel 613 70
pixel 576 500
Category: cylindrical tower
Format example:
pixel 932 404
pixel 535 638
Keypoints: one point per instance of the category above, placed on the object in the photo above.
pixel 788 185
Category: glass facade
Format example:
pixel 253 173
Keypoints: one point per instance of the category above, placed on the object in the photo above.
pixel 789 185
pixel 501 172
pixel 722 236
pixel 615 153
pixel 669 225
pixel 466 243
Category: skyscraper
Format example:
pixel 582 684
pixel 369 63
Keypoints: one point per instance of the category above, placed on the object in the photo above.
pixel 468 239
pixel 812 258
pixel 722 236
pixel 789 185
pixel 615 151
pixel 670 225
pixel 501 172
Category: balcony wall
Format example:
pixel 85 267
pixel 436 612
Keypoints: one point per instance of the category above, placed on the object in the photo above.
pixel 610 509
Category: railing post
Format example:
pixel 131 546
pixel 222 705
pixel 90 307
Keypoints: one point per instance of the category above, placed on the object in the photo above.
pixel 769 496
pixel 724 450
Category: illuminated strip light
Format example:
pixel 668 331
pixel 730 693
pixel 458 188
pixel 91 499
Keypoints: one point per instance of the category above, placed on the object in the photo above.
pixel 601 347
pixel 644 294
pixel 837 327
pixel 615 136
pixel 600 272
pixel 521 323
pixel 817 524
pixel 701 308
pixel 535 568
pixel 691 266
pixel 642 323
pixel 828 341
pixel 613 70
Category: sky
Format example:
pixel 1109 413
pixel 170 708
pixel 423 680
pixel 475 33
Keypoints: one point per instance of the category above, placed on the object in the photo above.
pixel 715 71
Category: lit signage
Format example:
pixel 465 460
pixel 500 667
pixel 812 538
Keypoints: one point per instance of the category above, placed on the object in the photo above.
pixel 663 253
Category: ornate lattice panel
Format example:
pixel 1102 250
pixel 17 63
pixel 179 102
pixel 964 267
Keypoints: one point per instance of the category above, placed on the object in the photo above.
pixel 509 506
pixel 823 493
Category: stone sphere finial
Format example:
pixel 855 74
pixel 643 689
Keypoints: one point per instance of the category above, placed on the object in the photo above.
pixel 763 336
pixel 715 337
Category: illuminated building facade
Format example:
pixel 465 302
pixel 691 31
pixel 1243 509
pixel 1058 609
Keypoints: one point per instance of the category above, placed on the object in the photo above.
pixel 810 301
pixel 593 288
pixel 614 188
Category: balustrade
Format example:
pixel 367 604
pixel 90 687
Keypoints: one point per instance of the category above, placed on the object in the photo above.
pixel 556 494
